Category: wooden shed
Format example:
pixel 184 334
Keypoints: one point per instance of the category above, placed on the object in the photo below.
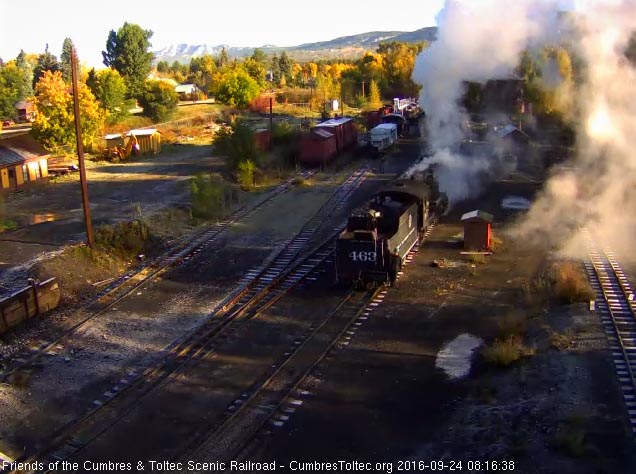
pixel 149 140
pixel 22 161
pixel 477 230
pixel 318 147
pixel 26 111
pixel 262 139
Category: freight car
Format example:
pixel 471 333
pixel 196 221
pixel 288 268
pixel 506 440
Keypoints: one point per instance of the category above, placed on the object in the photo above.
pixel 372 248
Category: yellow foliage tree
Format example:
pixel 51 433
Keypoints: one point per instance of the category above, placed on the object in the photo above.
pixel 54 123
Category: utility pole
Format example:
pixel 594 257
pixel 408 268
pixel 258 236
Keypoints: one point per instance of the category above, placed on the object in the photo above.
pixel 363 89
pixel 271 124
pixel 80 150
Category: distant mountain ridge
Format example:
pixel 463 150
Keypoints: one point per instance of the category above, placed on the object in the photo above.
pixel 345 46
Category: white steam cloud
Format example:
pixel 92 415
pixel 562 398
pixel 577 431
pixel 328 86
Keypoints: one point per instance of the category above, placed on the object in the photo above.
pixel 480 40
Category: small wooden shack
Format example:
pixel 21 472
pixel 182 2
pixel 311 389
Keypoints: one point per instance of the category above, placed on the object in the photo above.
pixel 22 161
pixel 149 140
pixel 477 230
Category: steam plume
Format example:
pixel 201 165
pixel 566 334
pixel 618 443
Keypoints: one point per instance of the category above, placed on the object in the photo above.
pixel 479 40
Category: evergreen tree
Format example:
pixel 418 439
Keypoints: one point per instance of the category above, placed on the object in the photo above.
pixel 65 60
pixel 127 53
pixel 46 62
pixel 223 59
pixel 285 66
pixel 163 67
pixel 27 72
pixel 275 67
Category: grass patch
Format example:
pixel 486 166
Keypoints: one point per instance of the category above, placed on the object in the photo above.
pixel 496 243
pixel 299 181
pixel 562 340
pixel 477 258
pixel 503 352
pixel 570 438
pixel 7 224
pixel 570 284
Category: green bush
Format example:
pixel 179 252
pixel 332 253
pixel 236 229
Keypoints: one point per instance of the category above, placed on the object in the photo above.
pixel 159 100
pixel 211 196
pixel 7 224
pixel 245 174
pixel 125 239
pixel 237 144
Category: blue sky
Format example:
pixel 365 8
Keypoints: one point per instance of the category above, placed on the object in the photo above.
pixel 30 24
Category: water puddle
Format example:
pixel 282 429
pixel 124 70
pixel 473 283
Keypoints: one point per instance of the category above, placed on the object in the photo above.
pixel 455 357
pixel 39 219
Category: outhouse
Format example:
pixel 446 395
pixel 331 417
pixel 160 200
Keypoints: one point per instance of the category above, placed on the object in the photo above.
pixel 477 230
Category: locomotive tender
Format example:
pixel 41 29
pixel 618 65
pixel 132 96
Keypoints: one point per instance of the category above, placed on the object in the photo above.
pixel 372 248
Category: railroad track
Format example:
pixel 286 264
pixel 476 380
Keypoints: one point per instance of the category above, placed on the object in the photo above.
pixel 182 252
pixel 281 393
pixel 244 418
pixel 617 310
pixel 257 291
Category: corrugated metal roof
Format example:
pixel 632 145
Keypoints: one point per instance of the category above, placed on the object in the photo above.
pixel 112 135
pixel 505 130
pixel 142 132
pixel 322 133
pixel 477 215
pixel 17 149
pixel 334 122
pixel 9 157
pixel 185 88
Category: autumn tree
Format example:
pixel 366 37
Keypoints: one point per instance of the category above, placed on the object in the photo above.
pixel 127 53
pixel 375 100
pixel 399 59
pixel 46 62
pixel 54 123
pixel 236 87
pixel 256 71
pixel 109 88
pixel 201 72
pixel 159 100
pixel 65 59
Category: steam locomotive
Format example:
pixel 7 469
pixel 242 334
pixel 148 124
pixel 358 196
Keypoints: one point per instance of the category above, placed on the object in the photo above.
pixel 372 248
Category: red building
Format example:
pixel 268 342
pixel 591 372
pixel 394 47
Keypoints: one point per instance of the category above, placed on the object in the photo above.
pixel 477 230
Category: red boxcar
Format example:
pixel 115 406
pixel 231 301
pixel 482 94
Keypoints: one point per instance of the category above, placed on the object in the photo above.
pixel 343 129
pixel 318 147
